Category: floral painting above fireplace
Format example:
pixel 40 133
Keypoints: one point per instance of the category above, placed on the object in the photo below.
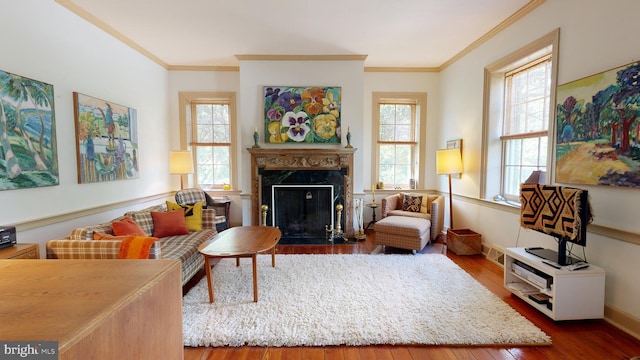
pixel 302 114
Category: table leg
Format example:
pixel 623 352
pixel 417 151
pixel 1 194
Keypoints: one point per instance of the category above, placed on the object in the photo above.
pixel 254 259
pixel 207 266
pixel 273 257
pixel 238 261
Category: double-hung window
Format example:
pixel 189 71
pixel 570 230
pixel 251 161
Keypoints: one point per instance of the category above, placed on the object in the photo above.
pixel 526 121
pixel 518 101
pixel 397 120
pixel 211 128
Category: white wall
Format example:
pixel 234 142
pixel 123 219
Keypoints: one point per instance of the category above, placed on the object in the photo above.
pixel 202 81
pixel 425 82
pixel 598 37
pixel 254 75
pixel 44 41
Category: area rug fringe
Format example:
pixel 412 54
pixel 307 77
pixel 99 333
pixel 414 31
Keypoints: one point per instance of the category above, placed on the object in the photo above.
pixel 321 300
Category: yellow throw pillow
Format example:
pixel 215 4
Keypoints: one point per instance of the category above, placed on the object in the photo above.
pixel 424 206
pixel 192 214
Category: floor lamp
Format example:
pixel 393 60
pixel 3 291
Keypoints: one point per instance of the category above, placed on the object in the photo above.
pixel 180 163
pixel 449 161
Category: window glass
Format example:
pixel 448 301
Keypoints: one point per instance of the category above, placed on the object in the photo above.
pixel 397 145
pixel 211 134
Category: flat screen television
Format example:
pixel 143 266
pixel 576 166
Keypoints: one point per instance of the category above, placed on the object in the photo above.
pixel 559 211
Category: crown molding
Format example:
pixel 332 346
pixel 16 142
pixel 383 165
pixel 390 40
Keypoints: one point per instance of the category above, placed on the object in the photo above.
pixel 257 57
pixel 522 12
pixel 71 6
pixel 202 68
pixel 400 69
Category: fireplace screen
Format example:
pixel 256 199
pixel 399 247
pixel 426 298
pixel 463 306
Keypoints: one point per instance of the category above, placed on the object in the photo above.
pixel 302 212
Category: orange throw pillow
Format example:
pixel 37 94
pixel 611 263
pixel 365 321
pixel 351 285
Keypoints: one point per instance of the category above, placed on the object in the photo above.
pixel 127 226
pixel 136 247
pixel 169 223
pixel 103 236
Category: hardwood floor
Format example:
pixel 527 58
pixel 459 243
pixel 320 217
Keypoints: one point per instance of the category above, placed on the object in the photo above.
pixel 588 339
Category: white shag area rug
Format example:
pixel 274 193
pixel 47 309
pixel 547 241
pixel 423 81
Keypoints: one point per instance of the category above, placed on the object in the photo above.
pixel 319 300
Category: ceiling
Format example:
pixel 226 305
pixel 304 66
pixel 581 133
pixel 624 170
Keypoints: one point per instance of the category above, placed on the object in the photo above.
pixel 390 33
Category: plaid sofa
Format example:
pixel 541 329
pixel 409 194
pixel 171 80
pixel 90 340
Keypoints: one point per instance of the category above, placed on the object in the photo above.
pixel 80 244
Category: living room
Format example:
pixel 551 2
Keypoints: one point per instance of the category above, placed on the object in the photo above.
pixel 61 48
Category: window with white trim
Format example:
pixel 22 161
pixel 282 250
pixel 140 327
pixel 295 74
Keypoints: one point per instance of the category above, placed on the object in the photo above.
pixel 210 128
pixel 397 124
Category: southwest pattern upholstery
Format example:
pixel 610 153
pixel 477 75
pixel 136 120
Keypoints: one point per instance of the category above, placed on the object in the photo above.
pixel 412 203
pixel 551 209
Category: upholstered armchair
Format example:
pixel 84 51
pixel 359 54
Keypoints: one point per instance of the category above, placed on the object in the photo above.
pixel 426 206
pixel 192 195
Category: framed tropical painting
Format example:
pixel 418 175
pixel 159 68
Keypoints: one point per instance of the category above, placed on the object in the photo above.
pixel 28 149
pixel 106 140
pixel 302 114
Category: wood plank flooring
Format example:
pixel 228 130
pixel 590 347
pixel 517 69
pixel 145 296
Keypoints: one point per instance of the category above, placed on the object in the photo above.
pixel 588 339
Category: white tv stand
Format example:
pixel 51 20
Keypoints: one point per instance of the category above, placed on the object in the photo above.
pixel 573 295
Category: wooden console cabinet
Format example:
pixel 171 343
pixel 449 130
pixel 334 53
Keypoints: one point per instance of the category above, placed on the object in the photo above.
pixel 95 309
pixel 573 295
pixel 21 251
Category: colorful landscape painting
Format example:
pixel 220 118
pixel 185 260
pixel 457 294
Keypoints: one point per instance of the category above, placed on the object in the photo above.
pixel 302 114
pixel 28 149
pixel 107 140
pixel 598 131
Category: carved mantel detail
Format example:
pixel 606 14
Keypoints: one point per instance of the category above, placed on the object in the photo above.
pixel 303 159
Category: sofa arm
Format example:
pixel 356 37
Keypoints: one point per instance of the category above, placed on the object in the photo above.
pixel 91 249
pixel 390 203
pixel 83 249
pixel 437 216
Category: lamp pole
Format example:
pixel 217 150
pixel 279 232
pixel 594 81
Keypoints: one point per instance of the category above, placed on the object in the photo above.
pixel 450 204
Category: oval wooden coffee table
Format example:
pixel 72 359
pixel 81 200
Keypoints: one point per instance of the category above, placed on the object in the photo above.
pixel 240 242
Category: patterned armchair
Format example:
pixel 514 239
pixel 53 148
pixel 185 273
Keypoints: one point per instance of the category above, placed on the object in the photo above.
pixel 221 205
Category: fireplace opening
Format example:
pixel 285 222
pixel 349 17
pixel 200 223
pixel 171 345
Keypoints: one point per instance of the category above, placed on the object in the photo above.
pixel 302 212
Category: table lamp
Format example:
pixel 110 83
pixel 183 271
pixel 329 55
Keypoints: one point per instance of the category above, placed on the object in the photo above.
pixel 180 163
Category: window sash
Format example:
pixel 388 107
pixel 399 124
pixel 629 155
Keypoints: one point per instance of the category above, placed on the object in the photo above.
pixel 213 158
pixel 396 141
pixel 527 96
pixel 525 124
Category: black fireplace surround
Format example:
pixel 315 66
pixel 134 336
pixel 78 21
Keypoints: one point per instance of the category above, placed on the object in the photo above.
pixel 304 166
pixel 303 220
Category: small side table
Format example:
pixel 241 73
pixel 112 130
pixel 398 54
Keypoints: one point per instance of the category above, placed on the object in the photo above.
pixel 373 207
pixel 21 251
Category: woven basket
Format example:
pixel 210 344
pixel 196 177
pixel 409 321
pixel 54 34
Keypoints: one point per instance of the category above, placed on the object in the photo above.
pixel 464 242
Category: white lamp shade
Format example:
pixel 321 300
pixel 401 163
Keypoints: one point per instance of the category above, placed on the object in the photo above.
pixel 448 161
pixel 180 162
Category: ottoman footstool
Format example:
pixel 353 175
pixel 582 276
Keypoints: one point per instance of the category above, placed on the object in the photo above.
pixel 403 232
